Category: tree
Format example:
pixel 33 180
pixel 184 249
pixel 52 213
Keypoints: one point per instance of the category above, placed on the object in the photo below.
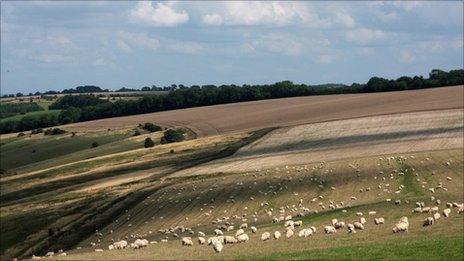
pixel 151 127
pixel 173 135
pixel 148 143
pixel 95 144
pixel 19 94
pixel 71 114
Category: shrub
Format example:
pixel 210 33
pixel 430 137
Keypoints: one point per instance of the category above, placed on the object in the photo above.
pixel 54 131
pixel 149 143
pixel 37 131
pixel 21 134
pixel 95 144
pixel 151 127
pixel 173 135
pixel 136 133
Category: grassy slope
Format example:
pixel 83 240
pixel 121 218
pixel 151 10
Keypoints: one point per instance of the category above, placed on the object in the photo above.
pixel 20 116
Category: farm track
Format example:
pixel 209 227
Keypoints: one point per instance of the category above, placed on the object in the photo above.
pixel 247 116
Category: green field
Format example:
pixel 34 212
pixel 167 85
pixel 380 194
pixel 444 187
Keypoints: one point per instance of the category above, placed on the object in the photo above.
pixel 34 113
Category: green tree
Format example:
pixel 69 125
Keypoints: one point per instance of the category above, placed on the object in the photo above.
pixel 148 143
pixel 71 114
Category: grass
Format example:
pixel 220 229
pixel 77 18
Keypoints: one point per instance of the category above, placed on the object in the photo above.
pixel 33 113
pixel 442 248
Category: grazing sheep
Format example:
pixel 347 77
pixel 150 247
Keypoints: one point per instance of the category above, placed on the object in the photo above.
pixel 372 212
pixel 362 220
pixel 334 221
pixel 201 234
pixel 351 228
pixel 313 228
pixel 402 225
pixel 218 232
pixel 120 244
pixel 436 216
pixel 330 230
pixel 446 212
pixel 98 250
pixel 339 224
pixel 201 240
pixel 243 238
pixel 187 241
pixel 239 232
pixel 358 225
pixel 289 223
pixel 217 246
pixel 110 247
pixel 289 233
pixel 265 236
pixel 229 240
pixel 139 243
pixel 379 221
pixel 244 225
pixel 417 210
pixel 277 235
pixel 298 223
pixel 428 222
pixel 359 214
pixel 253 229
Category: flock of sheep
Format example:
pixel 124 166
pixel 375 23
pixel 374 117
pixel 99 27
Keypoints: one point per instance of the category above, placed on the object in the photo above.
pixel 295 227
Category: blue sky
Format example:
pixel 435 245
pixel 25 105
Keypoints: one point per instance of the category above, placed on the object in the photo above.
pixel 57 45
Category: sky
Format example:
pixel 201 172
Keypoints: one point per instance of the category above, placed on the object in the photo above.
pixel 56 45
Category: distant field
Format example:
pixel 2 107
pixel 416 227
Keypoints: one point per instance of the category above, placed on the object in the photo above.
pixel 247 116
pixel 17 117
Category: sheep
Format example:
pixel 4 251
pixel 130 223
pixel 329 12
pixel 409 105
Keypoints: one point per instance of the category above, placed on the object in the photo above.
pixel 372 212
pixel 201 240
pixel 428 222
pixel 313 228
pixel 339 224
pixel 334 221
pixel 217 246
pixel 120 244
pixel 330 230
pixel 417 210
pixel 187 241
pixel 49 254
pixel 351 228
pixel 110 247
pixel 446 212
pixel 253 229
pixel 436 216
pixel 276 235
pixel 244 225
pixel 139 243
pixel 265 236
pixel 34 257
pixel 201 234
pixel 358 225
pixel 239 232
pixel 402 225
pixel 359 214
pixel 305 232
pixel 362 220
pixel 298 223
pixel 218 232
pixel 229 240
pixel 289 233
pixel 243 238
pixel 98 250
pixel 379 221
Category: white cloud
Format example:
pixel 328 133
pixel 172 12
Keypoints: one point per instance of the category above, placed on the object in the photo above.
pixel 365 35
pixel 212 19
pixel 405 57
pixel 186 47
pixel 325 59
pixel 388 17
pixel 408 5
pixel 286 44
pixel 160 15
pixel 140 40
pixel 345 19
pixel 365 51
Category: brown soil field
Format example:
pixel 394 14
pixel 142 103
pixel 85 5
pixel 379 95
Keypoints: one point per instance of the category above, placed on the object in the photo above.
pixel 246 116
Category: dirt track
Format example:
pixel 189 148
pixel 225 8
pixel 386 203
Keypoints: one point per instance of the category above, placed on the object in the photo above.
pixel 245 116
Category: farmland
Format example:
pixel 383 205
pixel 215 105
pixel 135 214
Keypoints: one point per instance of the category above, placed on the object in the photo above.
pixel 296 156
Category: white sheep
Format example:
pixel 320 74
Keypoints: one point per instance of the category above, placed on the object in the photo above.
pixel 277 235
pixel 217 246
pixel 436 216
pixel 428 221
pixel 446 212
pixel 243 238
pixel 289 223
pixel 139 243
pixel 313 228
pixel 358 225
pixel 339 224
pixel 334 221
pixel 201 234
pixel 218 232
pixel 289 233
pixel 362 220
pixel 244 225
pixel 330 230
pixel 187 241
pixel 265 236
pixel 351 228
pixel 379 221
pixel 372 212
pixel 402 225
pixel 298 223
pixel 110 247
pixel 239 232
pixel 253 229
pixel 201 240
pixel 230 240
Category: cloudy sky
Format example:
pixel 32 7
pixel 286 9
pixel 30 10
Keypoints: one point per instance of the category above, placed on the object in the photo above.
pixel 56 45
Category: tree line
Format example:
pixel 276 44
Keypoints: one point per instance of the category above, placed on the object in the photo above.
pixel 86 107
pixel 12 109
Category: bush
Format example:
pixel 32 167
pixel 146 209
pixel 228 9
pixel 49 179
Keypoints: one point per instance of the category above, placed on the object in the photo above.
pixel 151 127
pixel 77 101
pixel 21 134
pixel 173 135
pixel 54 131
pixel 95 144
pixel 149 143
pixel 136 133
pixel 37 131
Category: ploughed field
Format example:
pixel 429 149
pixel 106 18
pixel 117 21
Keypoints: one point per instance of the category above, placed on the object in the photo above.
pixel 247 116
pixel 60 193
